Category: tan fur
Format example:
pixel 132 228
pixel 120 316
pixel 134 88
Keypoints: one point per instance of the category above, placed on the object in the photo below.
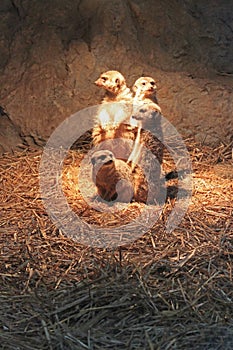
pixel 115 180
pixel 145 90
pixel 114 128
pixel 112 177
pixel 145 107
pixel 115 87
pixel 146 116
pixel 116 103
pixel 113 114
pixel 148 122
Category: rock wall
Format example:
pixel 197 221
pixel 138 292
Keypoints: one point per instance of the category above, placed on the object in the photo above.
pixel 52 51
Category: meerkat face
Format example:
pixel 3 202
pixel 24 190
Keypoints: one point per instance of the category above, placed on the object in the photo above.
pixel 145 118
pixel 145 86
pixel 102 158
pixel 112 81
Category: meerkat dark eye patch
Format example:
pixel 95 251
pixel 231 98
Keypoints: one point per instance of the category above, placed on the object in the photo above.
pixel 117 81
pixel 142 110
pixel 104 78
pixel 155 114
pixel 143 83
pixel 152 83
pixel 93 161
pixel 102 157
pixel 137 117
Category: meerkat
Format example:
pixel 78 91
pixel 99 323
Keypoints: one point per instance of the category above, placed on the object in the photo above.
pixel 149 133
pixel 114 106
pixel 115 180
pixel 115 85
pixel 112 177
pixel 112 121
pixel 146 117
pixel 145 89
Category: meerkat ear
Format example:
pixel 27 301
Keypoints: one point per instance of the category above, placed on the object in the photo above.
pixel 155 114
pixel 120 81
pixel 123 82
pixel 134 88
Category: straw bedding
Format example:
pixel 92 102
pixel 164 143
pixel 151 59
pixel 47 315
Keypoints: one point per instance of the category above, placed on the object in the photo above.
pixel 163 291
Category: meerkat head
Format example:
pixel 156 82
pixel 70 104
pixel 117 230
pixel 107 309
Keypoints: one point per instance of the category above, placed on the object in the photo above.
pixel 112 81
pixel 144 87
pixel 102 158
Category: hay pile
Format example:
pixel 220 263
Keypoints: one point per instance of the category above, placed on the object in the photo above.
pixel 160 292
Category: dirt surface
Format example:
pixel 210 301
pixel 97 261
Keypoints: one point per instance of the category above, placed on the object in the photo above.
pixel 163 290
pixel 52 51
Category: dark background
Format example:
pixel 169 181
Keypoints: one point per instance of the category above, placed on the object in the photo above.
pixel 52 51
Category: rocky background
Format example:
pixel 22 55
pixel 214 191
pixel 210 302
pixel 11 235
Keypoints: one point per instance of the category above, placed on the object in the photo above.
pixel 52 51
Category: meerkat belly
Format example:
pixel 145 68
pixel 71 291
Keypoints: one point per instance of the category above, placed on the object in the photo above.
pixel 118 136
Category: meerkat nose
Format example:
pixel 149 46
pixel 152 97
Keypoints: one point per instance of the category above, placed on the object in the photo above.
pixel 97 82
pixel 137 117
pixel 110 161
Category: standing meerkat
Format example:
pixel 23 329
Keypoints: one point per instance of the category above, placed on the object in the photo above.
pixel 149 133
pixel 113 114
pixel 146 117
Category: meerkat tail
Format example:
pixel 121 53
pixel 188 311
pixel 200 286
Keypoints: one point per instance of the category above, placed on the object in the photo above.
pixel 156 106
pixel 134 156
pixel 136 152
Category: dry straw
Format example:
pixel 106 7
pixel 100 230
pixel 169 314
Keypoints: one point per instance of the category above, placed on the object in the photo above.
pixel 160 292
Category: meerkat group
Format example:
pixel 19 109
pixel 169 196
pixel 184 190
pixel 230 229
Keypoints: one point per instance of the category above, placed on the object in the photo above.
pixel 121 130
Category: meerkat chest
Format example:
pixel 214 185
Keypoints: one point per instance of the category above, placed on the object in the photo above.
pixel 112 114
pixel 112 174
pixel 115 182
pixel 105 176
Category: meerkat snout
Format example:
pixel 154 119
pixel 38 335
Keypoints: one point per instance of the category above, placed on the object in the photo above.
pixel 102 158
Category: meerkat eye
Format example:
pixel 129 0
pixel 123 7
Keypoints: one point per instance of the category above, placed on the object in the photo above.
pixel 152 83
pixel 117 81
pixel 142 110
pixel 93 161
pixel 102 157
pixel 144 83
pixel 104 78
pixel 154 114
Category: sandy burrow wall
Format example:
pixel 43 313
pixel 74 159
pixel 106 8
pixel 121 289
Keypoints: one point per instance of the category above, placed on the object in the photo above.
pixel 52 51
